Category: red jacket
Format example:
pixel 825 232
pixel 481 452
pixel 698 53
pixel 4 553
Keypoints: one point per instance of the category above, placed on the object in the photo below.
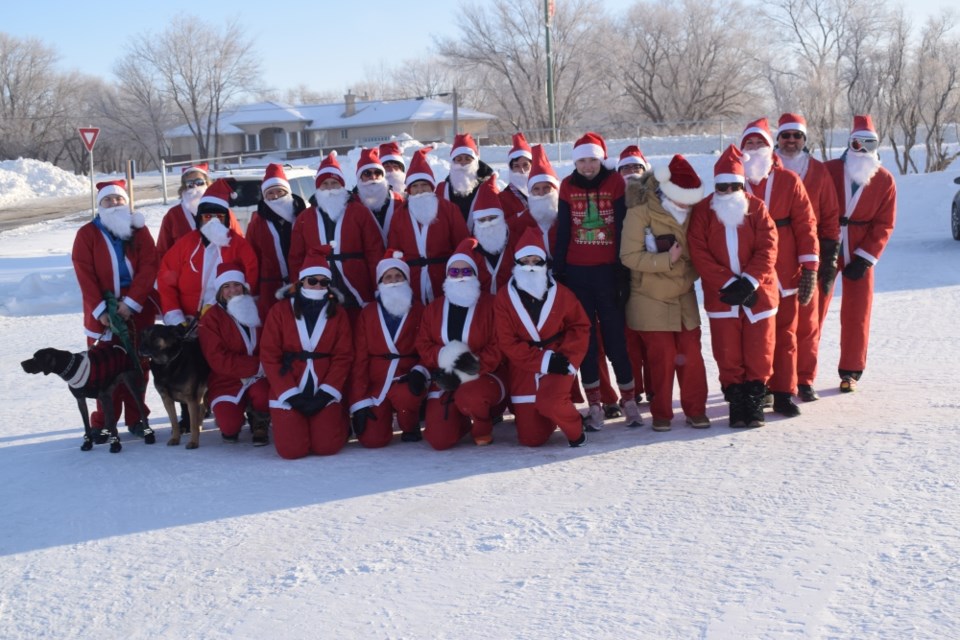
pixel 494 277
pixel 721 256
pixel 232 353
pixel 95 264
pixel 478 334
pixel 870 213
pixel 513 203
pixel 823 197
pixel 519 224
pixel 264 237
pixel 177 223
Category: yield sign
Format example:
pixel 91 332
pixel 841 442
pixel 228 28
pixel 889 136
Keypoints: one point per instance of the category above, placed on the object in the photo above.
pixel 89 136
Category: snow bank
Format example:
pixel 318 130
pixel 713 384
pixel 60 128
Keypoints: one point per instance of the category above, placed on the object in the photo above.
pixel 24 179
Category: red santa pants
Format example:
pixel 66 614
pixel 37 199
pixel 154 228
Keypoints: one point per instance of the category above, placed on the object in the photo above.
pixel 677 353
pixel 448 420
pixel 808 339
pixel 296 435
pixel 743 349
pixel 551 407
pixel 784 378
pixel 230 415
pixel 399 400
pixel 856 305
pixel 641 372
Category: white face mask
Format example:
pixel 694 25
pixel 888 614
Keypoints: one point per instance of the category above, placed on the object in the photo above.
pixel 333 201
pixel 397 297
pixel 544 208
pixel 532 279
pixel 282 206
pixel 492 235
pixel 313 294
pixel 216 232
pixel 423 207
pixel 679 212
pixel 463 292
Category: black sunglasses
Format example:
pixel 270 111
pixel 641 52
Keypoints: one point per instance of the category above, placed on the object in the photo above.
pixel 199 182
pixel 723 187
pixel 323 282
pixel 792 135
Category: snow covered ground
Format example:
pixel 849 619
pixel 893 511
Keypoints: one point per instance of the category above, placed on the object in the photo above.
pixel 842 523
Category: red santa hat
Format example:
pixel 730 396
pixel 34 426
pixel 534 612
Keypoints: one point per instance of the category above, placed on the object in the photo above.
pixel 679 182
pixel 792 122
pixel 542 170
pixel 230 272
pixel 590 145
pixel 274 177
pixel 316 263
pixel 487 200
pixel 369 159
pixel 760 128
pixel 329 168
pixel 863 127
pixel 420 168
pixel 393 260
pixel 390 152
pixel 729 166
pixel 632 155
pixel 216 199
pixel 530 244
pixel 112 188
pixel 520 148
pixel 201 167
pixel 464 143
pixel 465 252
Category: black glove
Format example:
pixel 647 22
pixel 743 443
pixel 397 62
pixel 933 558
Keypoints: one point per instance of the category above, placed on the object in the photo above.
pixel 808 284
pixel 750 300
pixel 416 382
pixel 316 403
pixel 736 292
pixel 829 250
pixel 467 363
pixel 623 286
pixel 445 380
pixel 558 364
pixel 298 402
pixel 857 267
pixel 359 419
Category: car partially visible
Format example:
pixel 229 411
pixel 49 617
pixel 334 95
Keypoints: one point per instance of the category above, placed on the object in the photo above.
pixel 248 182
pixel 955 213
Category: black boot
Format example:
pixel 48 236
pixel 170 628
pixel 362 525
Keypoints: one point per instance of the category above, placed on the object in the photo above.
pixel 807 393
pixel 754 390
pixel 784 405
pixel 734 394
pixel 413 435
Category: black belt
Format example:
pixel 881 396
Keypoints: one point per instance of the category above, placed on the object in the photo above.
pixel 289 356
pixel 540 344
pixel 340 257
pixel 783 222
pixel 854 223
pixel 423 262
pixel 394 356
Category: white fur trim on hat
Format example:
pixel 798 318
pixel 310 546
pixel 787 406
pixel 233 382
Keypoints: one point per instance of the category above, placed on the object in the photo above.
pixel 677 194
pixel 727 178
pixel 333 171
pixel 214 200
pixel 466 258
pixel 314 271
pixel 111 190
pixel 414 177
pixel 274 182
pixel 543 177
pixel 394 262
pixel 758 131
pixel 393 158
pixel 588 151
pixel 529 250
pixel 792 126
pixel 456 151
pixel 632 160
pixel 230 276
pixel 370 165
pixel 519 153
pixel 483 213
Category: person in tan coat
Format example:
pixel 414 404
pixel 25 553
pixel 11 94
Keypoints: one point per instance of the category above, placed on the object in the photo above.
pixel 663 305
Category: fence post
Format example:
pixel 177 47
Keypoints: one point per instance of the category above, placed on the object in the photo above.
pixel 163 179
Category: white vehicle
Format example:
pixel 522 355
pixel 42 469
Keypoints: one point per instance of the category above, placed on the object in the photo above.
pixel 248 187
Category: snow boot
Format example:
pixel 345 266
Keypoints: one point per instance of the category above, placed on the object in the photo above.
pixel 260 427
pixel 632 413
pixel 611 410
pixel 807 393
pixel 753 392
pixel 848 384
pixel 594 418
pixel 413 435
pixel 784 405
pixel 579 441
pixel 734 394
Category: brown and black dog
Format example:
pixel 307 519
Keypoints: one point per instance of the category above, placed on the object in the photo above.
pixel 94 374
pixel 180 374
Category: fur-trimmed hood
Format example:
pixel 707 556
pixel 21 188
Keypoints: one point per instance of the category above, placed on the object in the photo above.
pixel 637 190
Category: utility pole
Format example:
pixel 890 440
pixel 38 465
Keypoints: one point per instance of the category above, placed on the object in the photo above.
pixel 456 123
pixel 548 8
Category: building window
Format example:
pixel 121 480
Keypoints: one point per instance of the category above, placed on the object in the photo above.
pixel 344 134
pixel 252 142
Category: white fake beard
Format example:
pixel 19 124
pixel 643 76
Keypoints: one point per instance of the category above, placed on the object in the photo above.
pixel 216 233
pixel 423 207
pixel 373 193
pixel 396 179
pixel 243 309
pixel 283 207
pixel 518 180
pixel 796 163
pixel 492 235
pixel 633 177
pixel 532 279
pixel 190 198
pixel 313 294
pixel 544 208
pixel 397 297
pixel 463 292
pixel 119 221
pixel 333 201
pixel 463 178
pixel 731 208
pixel 678 212
pixel 861 167
pixel 757 164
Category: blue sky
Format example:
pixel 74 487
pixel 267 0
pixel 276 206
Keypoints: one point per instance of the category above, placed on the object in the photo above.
pixel 326 45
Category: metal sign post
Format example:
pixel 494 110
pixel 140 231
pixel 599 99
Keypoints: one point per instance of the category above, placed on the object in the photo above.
pixel 89 137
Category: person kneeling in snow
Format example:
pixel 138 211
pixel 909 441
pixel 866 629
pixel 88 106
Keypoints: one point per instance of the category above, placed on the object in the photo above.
pixel 543 332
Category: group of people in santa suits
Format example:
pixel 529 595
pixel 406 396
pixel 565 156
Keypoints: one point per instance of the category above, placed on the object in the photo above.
pixel 410 301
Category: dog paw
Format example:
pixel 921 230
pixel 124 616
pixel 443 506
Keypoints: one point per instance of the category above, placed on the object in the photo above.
pixel 87 445
pixel 173 442
pixel 192 445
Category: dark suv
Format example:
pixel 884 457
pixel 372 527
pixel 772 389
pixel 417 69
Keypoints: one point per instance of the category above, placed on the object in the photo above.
pixel 955 213
pixel 248 188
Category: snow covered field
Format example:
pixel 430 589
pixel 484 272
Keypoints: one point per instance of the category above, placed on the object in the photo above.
pixel 842 523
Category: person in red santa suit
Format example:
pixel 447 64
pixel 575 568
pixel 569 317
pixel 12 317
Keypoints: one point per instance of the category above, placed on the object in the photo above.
pixel 733 244
pixel 307 353
pixel 513 199
pixel 115 253
pixel 586 258
pixel 662 308
pixel 494 242
pixel 394 167
pixel 373 193
pixel 791 150
pixel 798 252
pixel 457 344
pixel 542 331
pixel 346 226
pixel 426 229
pixel 542 202
pixel 187 277
pixel 229 335
pixel 868 210
pixel 181 218
pixel 467 173
pixel 388 378
pixel 269 233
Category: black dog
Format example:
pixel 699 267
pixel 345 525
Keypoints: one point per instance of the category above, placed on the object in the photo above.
pixel 94 374
pixel 180 374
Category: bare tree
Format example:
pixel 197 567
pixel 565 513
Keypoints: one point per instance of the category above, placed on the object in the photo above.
pixel 903 106
pixel 938 57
